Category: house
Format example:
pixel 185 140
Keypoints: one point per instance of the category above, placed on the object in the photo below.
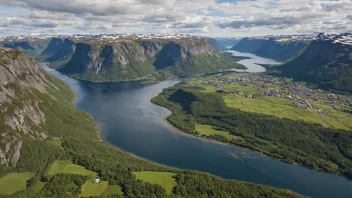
pixel 96 181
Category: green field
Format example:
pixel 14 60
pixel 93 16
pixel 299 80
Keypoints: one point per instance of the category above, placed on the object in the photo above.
pixel 113 190
pixel 38 186
pixel 282 108
pixel 208 130
pixel 14 182
pixel 90 189
pixel 67 167
pixel 164 179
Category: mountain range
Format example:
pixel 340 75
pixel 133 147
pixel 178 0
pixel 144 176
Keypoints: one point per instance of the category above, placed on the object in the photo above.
pixel 126 57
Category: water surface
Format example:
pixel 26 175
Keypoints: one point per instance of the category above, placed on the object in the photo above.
pixel 252 63
pixel 128 120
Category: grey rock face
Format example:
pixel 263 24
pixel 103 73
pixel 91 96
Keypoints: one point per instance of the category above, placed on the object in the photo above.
pixel 20 78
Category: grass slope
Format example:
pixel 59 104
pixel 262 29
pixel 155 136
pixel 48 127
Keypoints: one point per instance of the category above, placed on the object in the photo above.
pixel 113 190
pixel 209 131
pixel 67 167
pixel 164 179
pixel 90 189
pixel 14 182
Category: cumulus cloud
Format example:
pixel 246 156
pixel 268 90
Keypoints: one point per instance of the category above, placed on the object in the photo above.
pixel 208 17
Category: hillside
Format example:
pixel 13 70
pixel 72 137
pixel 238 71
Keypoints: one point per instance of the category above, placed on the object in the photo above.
pixel 281 48
pixel 50 149
pixel 327 62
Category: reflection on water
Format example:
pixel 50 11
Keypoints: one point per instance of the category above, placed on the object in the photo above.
pixel 128 120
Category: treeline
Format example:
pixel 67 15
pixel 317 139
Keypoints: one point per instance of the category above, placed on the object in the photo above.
pixel 195 184
pixel 310 145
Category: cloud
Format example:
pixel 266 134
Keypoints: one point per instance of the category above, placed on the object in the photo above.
pixel 210 17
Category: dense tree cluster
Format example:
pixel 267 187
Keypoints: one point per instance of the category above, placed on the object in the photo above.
pixel 195 184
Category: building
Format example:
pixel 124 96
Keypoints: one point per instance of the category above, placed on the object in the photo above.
pixel 96 181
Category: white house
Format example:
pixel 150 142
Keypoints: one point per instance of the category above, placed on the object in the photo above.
pixel 96 181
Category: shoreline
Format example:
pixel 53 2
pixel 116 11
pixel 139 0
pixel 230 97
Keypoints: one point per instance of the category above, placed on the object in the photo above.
pixel 247 148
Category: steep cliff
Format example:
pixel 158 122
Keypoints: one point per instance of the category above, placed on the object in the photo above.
pixel 282 49
pixel 34 109
pixel 136 59
pixel 326 62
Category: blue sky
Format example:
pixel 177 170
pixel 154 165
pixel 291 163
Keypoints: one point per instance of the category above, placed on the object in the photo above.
pixel 228 18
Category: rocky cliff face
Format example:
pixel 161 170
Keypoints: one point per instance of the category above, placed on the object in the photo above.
pixel 281 49
pixel 138 59
pixel 22 80
pixel 326 62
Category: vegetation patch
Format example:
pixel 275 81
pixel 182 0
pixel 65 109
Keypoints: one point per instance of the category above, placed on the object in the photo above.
pixel 113 190
pixel 164 179
pixel 210 131
pixel 67 167
pixel 14 182
pixel 90 189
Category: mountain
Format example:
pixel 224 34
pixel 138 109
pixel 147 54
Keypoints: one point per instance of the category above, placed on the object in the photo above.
pixel 227 42
pixel 30 100
pixel 114 57
pixel 326 62
pixel 33 46
pixel 132 58
pixel 58 52
pixel 48 148
pixel 281 48
pixel 216 44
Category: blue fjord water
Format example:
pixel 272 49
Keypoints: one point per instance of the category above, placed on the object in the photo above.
pixel 129 121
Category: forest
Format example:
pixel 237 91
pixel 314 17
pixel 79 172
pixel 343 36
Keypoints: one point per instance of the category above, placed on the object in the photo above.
pixel 310 145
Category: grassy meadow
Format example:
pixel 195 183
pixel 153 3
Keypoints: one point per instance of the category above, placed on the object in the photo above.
pixel 90 189
pixel 208 131
pixel 164 179
pixel 14 182
pixel 67 167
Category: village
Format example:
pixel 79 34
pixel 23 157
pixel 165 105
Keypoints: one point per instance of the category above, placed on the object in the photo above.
pixel 256 86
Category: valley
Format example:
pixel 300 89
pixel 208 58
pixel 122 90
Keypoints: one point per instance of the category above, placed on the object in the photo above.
pixel 51 149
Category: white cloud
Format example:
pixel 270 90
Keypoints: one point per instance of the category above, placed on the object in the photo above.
pixel 204 17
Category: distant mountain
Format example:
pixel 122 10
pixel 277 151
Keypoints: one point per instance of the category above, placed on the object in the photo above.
pixel 227 42
pixel 129 57
pixel 326 62
pixel 58 52
pixel 281 48
pixel 216 45
pixel 31 45
pixel 138 59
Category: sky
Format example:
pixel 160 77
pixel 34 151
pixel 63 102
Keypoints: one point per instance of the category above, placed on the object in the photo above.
pixel 216 18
